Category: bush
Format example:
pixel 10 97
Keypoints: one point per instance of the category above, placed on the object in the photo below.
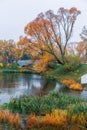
pixel 1 65
pixel 76 86
pixel 73 62
pixel 9 65
pixel 14 66
pixel 71 84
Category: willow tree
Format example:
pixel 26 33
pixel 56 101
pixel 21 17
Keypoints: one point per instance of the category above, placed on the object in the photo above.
pixel 50 33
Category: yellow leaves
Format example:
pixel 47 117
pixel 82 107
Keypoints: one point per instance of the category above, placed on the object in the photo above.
pixel 19 67
pixel 17 53
pixel 68 82
pixel 22 42
pixel 76 86
pixel 43 61
pixel 9 65
pixel 78 119
pixel 71 84
pixel 1 64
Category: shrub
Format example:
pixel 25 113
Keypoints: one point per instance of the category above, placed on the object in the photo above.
pixel 73 62
pixel 71 84
pixel 1 64
pixel 68 82
pixel 76 86
pixel 14 66
pixel 9 65
pixel 20 67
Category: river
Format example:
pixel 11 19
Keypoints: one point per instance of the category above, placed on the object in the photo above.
pixel 15 85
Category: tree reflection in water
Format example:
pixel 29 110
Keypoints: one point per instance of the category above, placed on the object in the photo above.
pixel 14 85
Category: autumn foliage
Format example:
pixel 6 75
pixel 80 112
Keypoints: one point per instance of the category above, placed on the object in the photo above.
pixel 10 119
pixel 47 36
pixel 71 84
pixel 58 119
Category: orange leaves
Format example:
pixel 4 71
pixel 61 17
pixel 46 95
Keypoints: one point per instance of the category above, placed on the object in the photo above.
pixel 36 27
pixel 9 118
pixel 43 61
pixel 76 86
pixel 22 41
pixel 79 119
pixel 71 84
pixel 58 120
pixel 52 31
pixel 73 9
pixel 68 82
pixel 32 122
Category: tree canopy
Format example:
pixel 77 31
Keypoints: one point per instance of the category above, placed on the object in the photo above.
pixel 49 34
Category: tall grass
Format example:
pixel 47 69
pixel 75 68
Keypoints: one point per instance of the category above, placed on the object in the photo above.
pixel 43 105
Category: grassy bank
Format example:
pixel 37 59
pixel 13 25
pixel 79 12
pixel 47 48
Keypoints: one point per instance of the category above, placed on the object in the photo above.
pixel 15 68
pixel 45 104
pixel 18 71
pixel 61 72
pixel 53 111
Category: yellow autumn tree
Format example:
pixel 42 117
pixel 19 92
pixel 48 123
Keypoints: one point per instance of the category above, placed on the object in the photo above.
pixel 47 36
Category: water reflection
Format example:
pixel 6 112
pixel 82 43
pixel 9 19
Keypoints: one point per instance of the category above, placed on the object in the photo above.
pixel 14 85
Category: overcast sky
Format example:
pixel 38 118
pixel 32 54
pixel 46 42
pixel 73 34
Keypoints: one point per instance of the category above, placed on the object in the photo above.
pixel 15 14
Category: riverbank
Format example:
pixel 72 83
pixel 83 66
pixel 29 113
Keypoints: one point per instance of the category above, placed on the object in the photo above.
pixel 60 73
pixel 42 112
pixel 18 71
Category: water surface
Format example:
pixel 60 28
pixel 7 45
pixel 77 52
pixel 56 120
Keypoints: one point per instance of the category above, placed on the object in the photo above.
pixel 14 85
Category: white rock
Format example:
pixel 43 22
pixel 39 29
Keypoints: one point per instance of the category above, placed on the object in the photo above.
pixel 84 79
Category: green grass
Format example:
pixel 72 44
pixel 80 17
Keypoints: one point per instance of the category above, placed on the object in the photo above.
pixel 43 105
pixel 61 73
pixel 15 68
pixel 16 71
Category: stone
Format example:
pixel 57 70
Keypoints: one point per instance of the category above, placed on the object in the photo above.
pixel 84 79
